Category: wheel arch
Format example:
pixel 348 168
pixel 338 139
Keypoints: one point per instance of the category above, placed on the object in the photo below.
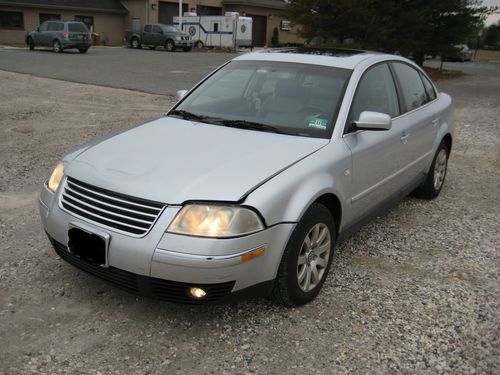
pixel 332 203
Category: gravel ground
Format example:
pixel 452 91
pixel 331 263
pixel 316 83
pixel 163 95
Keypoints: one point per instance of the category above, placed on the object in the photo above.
pixel 415 291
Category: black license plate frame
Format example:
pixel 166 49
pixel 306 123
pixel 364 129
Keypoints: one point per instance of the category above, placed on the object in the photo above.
pixel 88 245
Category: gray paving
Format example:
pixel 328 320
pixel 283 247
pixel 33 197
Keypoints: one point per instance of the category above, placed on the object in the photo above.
pixel 156 72
pixel 473 68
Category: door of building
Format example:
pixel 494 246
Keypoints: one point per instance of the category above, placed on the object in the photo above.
pixel 168 11
pixel 259 26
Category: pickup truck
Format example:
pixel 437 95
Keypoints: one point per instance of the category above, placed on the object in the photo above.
pixel 157 34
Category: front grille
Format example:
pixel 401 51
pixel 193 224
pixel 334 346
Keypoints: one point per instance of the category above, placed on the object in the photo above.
pixel 172 291
pixel 129 215
pixel 185 37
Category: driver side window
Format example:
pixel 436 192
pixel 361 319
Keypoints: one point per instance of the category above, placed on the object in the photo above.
pixel 376 92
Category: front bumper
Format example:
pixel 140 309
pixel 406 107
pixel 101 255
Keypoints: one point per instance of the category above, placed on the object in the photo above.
pixel 183 43
pixel 166 265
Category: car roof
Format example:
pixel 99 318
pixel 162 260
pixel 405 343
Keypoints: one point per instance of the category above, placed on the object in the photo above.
pixel 340 58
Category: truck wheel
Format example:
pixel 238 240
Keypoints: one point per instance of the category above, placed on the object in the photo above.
pixel 31 43
pixel 135 43
pixel 198 44
pixel 56 46
pixel 169 45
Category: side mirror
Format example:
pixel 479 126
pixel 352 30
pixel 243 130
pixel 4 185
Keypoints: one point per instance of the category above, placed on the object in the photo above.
pixel 180 94
pixel 369 120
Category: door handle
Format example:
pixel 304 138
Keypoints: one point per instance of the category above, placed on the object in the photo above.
pixel 435 122
pixel 404 138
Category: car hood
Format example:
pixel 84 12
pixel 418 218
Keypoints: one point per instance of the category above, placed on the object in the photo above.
pixel 172 161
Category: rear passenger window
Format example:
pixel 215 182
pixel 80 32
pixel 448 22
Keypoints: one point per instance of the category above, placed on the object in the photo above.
pixel 157 29
pixel 376 92
pixel 147 28
pixel 412 87
pixel 429 89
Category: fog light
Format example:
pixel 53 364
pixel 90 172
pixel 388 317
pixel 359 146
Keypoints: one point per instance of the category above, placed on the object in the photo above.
pixel 197 293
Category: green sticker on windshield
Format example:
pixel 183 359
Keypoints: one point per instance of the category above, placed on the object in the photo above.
pixel 318 123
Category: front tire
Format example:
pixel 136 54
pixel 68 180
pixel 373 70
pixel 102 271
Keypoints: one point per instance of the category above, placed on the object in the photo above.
pixel 435 178
pixel 56 46
pixel 307 258
pixel 31 44
pixel 83 50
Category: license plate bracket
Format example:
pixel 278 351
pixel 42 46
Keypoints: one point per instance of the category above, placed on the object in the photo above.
pixel 88 246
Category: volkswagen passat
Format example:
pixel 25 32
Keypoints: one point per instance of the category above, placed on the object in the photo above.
pixel 247 184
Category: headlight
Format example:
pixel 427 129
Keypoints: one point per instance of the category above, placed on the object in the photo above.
pixel 56 177
pixel 177 38
pixel 215 221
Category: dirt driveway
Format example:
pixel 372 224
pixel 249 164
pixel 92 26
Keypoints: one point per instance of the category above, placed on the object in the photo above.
pixel 415 291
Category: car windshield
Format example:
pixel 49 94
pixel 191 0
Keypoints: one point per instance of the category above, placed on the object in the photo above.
pixel 170 29
pixel 77 28
pixel 290 98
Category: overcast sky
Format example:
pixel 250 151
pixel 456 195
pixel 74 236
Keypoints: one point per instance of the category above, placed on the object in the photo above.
pixel 494 17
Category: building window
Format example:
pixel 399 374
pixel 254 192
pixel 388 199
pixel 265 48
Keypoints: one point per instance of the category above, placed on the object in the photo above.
pixel 11 20
pixel 48 17
pixel 87 20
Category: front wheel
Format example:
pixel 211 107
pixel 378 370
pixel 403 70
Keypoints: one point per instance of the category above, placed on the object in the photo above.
pixel 56 46
pixel 31 44
pixel 198 44
pixel 306 259
pixel 83 49
pixel 169 45
pixel 435 178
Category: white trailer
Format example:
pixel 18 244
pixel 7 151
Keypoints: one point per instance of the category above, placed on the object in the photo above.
pixel 230 31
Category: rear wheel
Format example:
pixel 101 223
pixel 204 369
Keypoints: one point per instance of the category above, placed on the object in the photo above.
pixel 56 46
pixel 169 45
pixel 135 43
pixel 307 258
pixel 31 43
pixel 198 44
pixel 435 178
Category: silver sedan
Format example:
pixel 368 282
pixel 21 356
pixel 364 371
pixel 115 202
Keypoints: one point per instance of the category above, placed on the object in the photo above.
pixel 246 186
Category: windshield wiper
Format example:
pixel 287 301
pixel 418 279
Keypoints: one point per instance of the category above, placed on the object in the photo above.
pixel 186 115
pixel 242 124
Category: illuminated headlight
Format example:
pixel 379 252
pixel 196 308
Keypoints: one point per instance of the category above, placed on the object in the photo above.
pixel 56 177
pixel 215 221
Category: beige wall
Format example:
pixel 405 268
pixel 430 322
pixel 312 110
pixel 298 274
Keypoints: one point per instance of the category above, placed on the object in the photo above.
pixel 108 26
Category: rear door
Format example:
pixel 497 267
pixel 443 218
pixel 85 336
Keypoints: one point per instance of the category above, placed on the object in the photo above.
pixel 146 36
pixel 419 122
pixel 78 32
pixel 376 155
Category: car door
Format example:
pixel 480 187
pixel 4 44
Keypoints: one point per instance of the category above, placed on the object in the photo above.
pixel 157 35
pixel 146 36
pixel 419 122
pixel 376 155
pixel 42 36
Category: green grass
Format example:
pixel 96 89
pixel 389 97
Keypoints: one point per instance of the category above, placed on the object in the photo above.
pixel 486 55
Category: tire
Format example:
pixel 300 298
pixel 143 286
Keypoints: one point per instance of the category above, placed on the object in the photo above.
pixel 135 43
pixel 312 239
pixel 56 46
pixel 152 47
pixel 31 44
pixel 186 49
pixel 83 50
pixel 434 181
pixel 198 44
pixel 169 45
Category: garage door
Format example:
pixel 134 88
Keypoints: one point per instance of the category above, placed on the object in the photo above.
pixel 168 11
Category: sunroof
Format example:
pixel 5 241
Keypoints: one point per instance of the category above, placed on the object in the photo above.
pixel 333 52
